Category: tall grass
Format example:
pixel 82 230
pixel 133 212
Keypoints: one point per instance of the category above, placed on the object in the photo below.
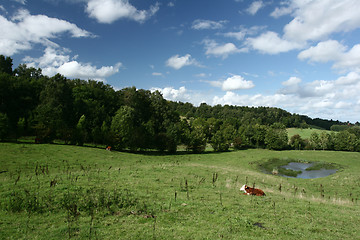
pixel 68 192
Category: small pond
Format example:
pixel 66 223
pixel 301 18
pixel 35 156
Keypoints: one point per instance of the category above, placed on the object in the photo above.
pixel 299 166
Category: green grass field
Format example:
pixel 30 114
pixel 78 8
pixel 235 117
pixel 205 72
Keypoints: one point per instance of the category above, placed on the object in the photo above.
pixel 304 133
pixel 61 192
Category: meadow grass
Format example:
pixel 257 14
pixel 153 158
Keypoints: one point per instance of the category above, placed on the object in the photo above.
pixel 60 192
pixel 304 133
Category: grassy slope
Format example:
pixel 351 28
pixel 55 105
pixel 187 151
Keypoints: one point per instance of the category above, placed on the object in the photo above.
pixel 304 133
pixel 202 210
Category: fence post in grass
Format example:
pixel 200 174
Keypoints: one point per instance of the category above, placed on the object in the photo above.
pixel 214 179
pixel 221 199
pixel 274 208
pixel 187 189
pixel 321 191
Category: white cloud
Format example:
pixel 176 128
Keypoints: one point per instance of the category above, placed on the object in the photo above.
pixel 201 75
pixel 57 61
pixel 23 2
pixel 24 30
pixel 201 24
pixel 292 81
pixel 285 9
pixel 350 79
pixel 345 88
pixel 271 43
pixel 240 35
pixel 237 35
pixel 178 62
pixel 314 20
pixel 341 105
pixel 173 94
pixel 108 11
pixel 236 82
pixel 213 48
pixel 332 50
pixel 255 7
pixel 323 52
pixel 157 74
pixel 232 98
pixel 318 19
pixel 349 60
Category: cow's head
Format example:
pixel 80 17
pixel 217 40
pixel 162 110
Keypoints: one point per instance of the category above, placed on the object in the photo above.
pixel 243 188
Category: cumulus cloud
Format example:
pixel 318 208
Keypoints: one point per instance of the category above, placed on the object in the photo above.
pixel 330 106
pixel 173 94
pixel 240 35
pixel 318 19
pixel 224 50
pixel 332 50
pixel 235 82
pixel 23 30
pixel 351 78
pixel 344 88
pixel 271 43
pixel 335 99
pixel 108 11
pixel 315 20
pixel 285 9
pixel 58 61
pixel 255 7
pixel 323 51
pixel 292 81
pixel 232 98
pixel 200 24
pixel 178 62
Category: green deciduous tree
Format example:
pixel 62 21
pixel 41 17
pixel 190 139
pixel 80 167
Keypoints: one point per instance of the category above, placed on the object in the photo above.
pixel 6 64
pixel 296 142
pixel 4 126
pixel 54 114
pixel 123 128
pixel 276 137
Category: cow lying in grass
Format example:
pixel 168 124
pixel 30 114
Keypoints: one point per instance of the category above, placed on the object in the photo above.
pixel 252 191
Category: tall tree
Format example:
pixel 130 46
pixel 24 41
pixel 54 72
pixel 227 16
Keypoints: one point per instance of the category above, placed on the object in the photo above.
pixel 54 114
pixel 6 65
pixel 276 137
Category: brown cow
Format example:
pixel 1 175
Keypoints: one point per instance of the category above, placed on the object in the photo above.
pixel 252 191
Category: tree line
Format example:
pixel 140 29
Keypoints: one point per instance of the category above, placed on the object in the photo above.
pixel 78 111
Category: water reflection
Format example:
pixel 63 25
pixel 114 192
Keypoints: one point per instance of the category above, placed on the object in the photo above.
pixel 297 166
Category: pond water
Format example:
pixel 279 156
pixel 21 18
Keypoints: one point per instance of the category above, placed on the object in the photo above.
pixel 297 166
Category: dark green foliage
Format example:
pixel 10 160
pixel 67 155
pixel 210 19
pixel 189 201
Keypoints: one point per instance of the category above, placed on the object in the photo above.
pixel 4 126
pixel 79 112
pixel 276 137
pixel 296 142
pixel 338 128
pixel 5 65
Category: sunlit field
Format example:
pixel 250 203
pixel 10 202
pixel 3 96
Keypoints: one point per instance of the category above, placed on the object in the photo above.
pixel 69 192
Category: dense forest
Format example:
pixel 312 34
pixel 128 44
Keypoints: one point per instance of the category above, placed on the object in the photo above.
pixel 78 111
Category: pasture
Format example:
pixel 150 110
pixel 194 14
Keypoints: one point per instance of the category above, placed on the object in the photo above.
pixel 304 133
pixel 69 192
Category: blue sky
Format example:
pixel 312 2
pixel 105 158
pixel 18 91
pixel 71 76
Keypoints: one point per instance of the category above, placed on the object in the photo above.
pixel 299 55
